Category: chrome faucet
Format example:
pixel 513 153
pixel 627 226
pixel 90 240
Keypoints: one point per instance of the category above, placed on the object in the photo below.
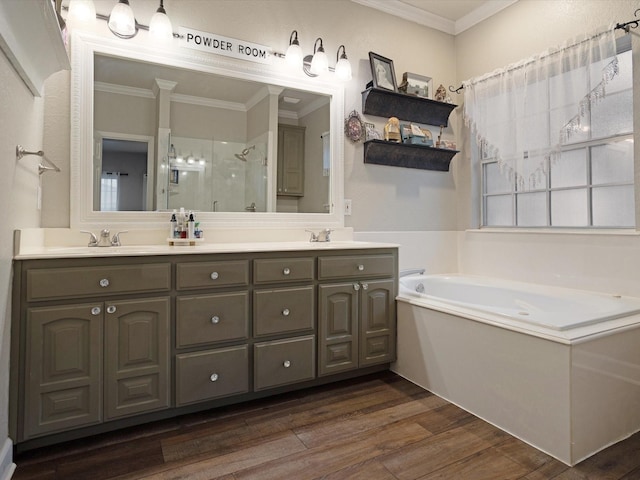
pixel 323 236
pixel 104 240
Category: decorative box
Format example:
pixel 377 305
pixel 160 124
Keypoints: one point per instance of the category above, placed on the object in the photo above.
pixel 414 135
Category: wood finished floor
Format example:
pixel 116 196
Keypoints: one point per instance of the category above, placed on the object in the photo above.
pixel 379 427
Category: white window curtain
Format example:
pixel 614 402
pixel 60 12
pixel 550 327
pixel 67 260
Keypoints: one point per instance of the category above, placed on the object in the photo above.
pixel 523 113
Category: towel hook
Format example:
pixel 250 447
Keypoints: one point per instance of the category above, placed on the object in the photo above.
pixel 21 152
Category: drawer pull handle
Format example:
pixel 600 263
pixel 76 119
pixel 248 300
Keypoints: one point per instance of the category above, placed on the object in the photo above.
pixel 215 319
pixel 286 312
pixel 111 309
pixel 96 311
pixel 214 275
pixel 214 377
pixel 286 364
pixel 361 268
pixel 104 282
pixel 286 271
pixel 365 286
pixel 356 286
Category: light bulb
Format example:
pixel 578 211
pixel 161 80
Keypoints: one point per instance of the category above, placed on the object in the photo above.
pixel 343 67
pixel 293 57
pixel 319 62
pixel 81 11
pixel 122 21
pixel 160 26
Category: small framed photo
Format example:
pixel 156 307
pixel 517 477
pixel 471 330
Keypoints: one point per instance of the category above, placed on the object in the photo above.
pixel 382 71
pixel 370 132
pixel 418 85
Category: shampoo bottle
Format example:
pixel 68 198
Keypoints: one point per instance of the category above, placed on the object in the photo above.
pixel 191 226
pixel 173 225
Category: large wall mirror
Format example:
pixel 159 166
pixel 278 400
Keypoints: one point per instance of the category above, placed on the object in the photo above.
pixel 241 144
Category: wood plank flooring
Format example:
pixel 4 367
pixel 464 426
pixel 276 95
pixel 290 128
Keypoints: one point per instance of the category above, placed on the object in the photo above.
pixel 379 427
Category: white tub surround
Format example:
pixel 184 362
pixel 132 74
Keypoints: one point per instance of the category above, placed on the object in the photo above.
pixel 569 392
pixel 7 467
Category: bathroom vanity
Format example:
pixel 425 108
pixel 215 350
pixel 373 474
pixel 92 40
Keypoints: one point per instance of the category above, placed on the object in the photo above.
pixel 105 338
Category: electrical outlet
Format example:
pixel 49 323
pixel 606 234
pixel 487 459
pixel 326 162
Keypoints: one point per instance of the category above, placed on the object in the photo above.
pixel 347 206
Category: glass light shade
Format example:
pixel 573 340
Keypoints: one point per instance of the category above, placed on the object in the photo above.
pixel 293 57
pixel 160 26
pixel 319 63
pixel 122 21
pixel 82 11
pixel 343 69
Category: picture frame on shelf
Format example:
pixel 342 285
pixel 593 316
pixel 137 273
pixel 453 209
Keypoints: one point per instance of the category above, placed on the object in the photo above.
pixel 417 85
pixel 384 75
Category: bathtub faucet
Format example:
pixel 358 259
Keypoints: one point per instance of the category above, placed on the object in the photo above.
pixel 411 271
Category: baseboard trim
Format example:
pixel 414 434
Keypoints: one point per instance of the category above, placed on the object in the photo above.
pixel 7 467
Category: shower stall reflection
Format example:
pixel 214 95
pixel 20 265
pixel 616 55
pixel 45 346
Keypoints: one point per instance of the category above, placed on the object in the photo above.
pixel 212 175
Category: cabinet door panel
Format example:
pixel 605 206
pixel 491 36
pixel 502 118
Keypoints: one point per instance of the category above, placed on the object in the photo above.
pixel 63 359
pixel 283 362
pixel 211 318
pixel 283 310
pixel 211 374
pixel 136 356
pixel 377 322
pixel 338 328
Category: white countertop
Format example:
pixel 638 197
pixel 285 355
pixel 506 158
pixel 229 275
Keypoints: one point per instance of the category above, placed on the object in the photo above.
pixel 36 252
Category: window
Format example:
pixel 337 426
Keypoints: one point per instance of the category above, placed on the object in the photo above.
pixel 109 192
pixel 591 185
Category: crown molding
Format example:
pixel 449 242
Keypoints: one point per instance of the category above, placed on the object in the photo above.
pixel 408 12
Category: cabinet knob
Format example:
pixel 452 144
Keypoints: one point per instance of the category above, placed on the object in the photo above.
pixel 111 309
pixel 214 275
pixel 215 319
pixel 214 377
pixel 356 286
pixel 361 268
pixel 104 282
pixel 286 312
pixel 96 311
pixel 286 364
pixel 365 286
pixel 286 271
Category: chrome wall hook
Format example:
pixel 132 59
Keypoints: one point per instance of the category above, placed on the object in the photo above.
pixel 21 152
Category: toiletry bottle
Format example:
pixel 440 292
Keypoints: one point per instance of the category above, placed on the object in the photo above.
pixel 173 225
pixel 191 226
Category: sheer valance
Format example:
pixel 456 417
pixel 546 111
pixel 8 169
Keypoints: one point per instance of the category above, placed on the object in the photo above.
pixel 522 114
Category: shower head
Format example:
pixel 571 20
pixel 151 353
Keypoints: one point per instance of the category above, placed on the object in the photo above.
pixel 243 156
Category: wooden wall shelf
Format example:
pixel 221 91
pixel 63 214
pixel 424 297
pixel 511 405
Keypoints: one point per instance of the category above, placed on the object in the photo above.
pixel 380 152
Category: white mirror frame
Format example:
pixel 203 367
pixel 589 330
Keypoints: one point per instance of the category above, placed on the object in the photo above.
pixel 83 48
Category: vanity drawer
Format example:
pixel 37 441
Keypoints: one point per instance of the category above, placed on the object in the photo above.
pixel 284 361
pixel 226 273
pixel 211 374
pixel 211 318
pixel 75 282
pixel 283 270
pixel 359 266
pixel 283 310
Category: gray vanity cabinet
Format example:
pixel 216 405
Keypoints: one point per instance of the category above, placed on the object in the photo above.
pixel 357 320
pixel 105 342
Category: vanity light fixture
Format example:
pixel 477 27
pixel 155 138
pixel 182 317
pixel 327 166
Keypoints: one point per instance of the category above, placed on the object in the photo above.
pixel 319 61
pixel 343 67
pixel 293 57
pixel 122 22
